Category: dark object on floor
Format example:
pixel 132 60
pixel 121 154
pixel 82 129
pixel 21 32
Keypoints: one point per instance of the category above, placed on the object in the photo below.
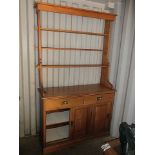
pixel 127 138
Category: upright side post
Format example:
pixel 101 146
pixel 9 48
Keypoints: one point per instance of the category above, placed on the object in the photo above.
pixel 105 56
pixel 43 112
pixel 39 53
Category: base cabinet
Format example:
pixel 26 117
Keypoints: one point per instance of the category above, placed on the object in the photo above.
pixel 72 119
pixel 86 116
pixel 92 119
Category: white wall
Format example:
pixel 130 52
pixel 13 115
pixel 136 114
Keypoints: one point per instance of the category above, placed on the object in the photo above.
pixel 124 80
pixel 29 97
pixel 27 105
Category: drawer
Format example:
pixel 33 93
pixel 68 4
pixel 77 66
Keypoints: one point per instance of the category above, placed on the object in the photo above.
pixel 98 98
pixel 90 99
pixel 53 104
pixel 104 97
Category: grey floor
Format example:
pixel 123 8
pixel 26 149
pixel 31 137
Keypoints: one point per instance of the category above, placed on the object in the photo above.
pixel 32 146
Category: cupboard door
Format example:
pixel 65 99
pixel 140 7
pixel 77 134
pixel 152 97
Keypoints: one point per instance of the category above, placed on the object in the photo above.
pixel 82 121
pixel 90 119
pixel 102 117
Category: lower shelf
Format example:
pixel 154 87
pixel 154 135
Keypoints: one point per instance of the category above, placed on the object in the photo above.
pixel 57 125
pixel 58 133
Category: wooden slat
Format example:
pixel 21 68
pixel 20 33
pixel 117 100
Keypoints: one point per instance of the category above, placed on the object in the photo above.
pixel 71 66
pixel 71 31
pixel 105 56
pixel 70 49
pixel 57 125
pixel 39 51
pixel 74 11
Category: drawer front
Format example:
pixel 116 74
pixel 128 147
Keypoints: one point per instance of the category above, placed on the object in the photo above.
pixel 99 98
pixel 104 98
pixel 53 104
pixel 90 99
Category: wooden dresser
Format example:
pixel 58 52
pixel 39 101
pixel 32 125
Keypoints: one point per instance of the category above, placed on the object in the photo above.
pixel 71 114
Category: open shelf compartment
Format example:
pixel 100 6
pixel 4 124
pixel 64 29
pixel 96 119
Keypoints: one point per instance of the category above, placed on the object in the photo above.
pixel 57 117
pixel 55 134
pixel 57 125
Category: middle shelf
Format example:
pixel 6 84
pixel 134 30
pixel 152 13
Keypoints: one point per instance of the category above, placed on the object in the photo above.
pixel 71 49
pixel 72 66
pixel 72 31
pixel 57 125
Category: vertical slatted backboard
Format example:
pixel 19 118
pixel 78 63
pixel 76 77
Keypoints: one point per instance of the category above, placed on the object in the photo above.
pixel 71 76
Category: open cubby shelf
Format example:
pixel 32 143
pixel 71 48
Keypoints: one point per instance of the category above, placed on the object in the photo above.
pixel 58 133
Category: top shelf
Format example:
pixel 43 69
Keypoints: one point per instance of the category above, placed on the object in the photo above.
pixel 74 11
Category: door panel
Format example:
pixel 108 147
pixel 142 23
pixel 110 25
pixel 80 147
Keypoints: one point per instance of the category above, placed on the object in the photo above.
pixel 90 119
pixel 102 117
pixel 80 122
